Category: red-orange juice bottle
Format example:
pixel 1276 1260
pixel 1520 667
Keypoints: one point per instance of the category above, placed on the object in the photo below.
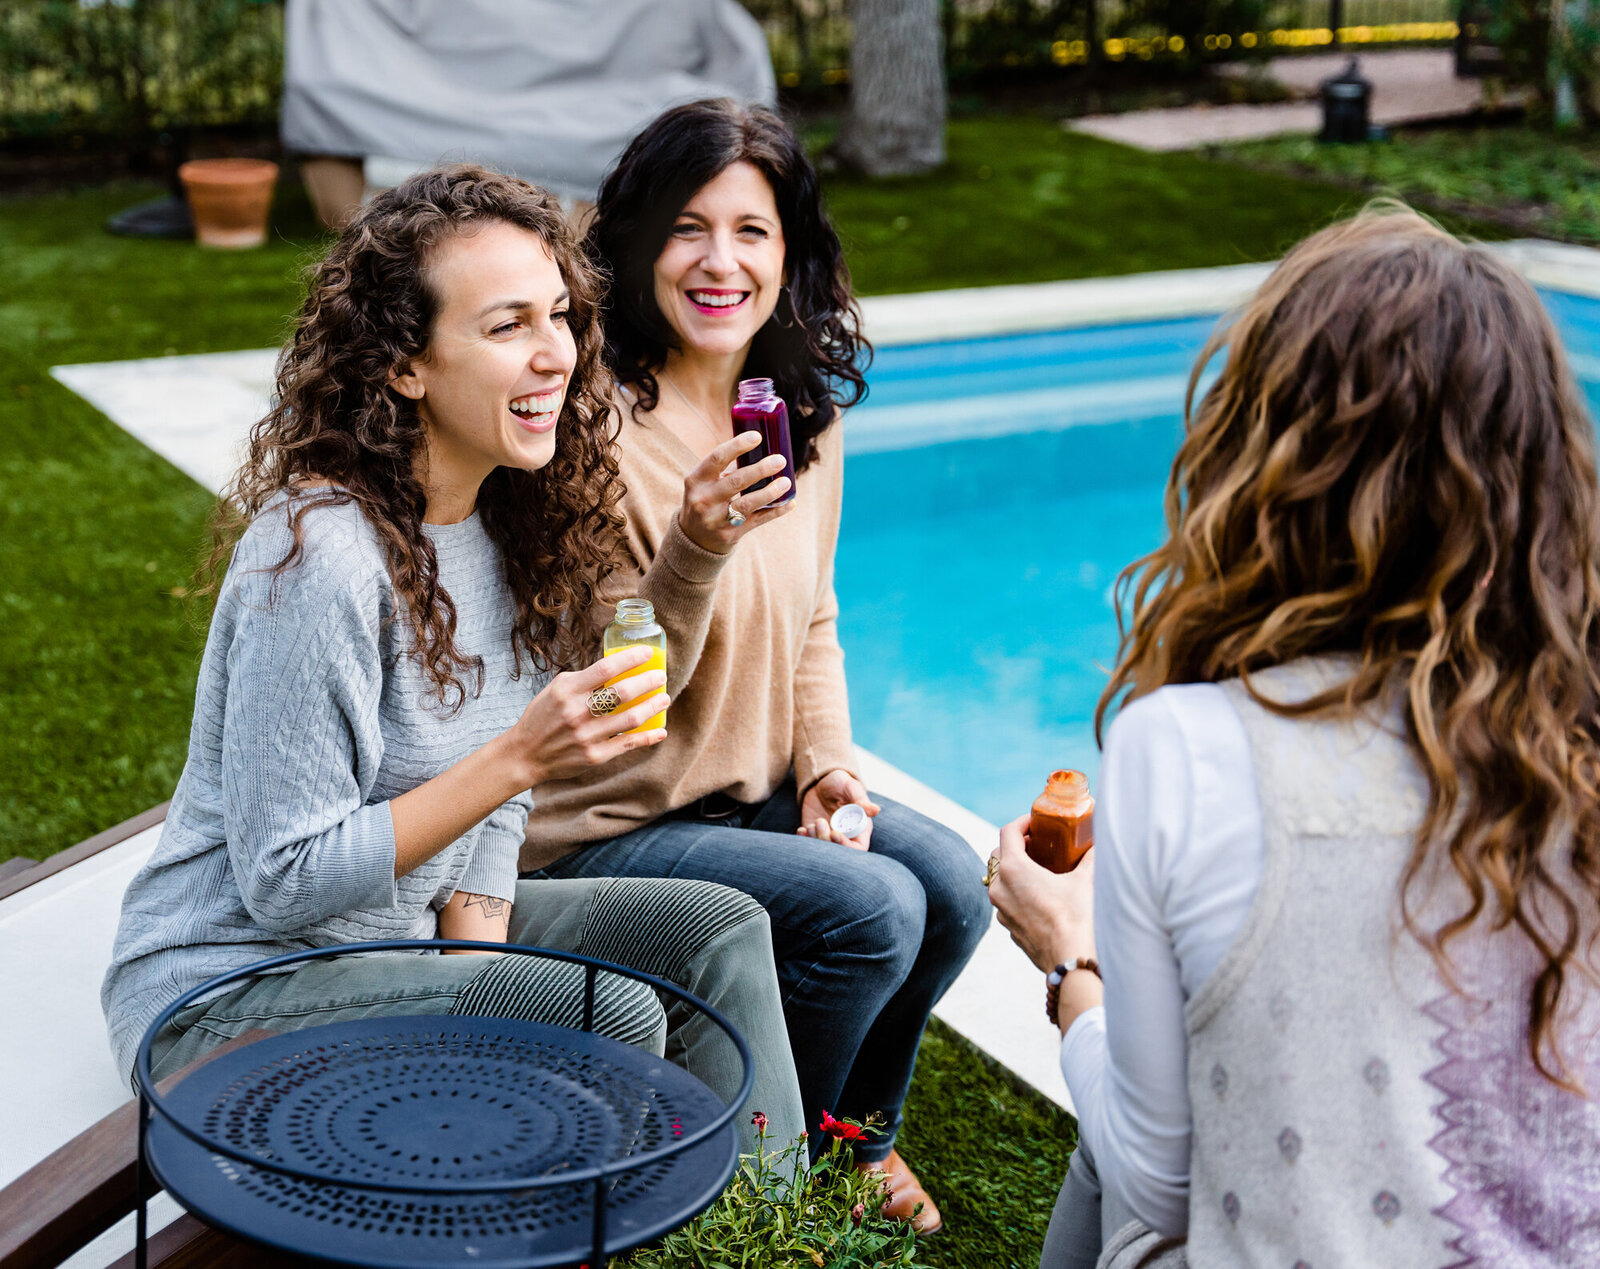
pixel 1062 827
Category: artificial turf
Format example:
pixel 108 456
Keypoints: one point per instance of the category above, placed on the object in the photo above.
pixel 991 1152
pixel 1022 200
pixel 1527 180
pixel 98 536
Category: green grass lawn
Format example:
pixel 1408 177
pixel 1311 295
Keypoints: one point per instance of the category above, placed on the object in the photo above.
pixel 990 1151
pixel 1530 181
pixel 97 534
pixel 1022 200
pixel 99 537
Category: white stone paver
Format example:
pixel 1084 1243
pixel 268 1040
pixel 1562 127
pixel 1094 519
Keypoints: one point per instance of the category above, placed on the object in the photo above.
pixel 1186 127
pixel 1408 86
pixel 974 312
pixel 194 411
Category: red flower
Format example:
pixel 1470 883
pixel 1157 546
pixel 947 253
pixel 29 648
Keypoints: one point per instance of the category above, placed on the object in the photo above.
pixel 760 1121
pixel 840 1129
pixel 857 1213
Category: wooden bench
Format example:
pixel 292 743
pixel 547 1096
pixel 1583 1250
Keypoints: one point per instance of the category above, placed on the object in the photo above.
pixel 85 1186
pixel 88 1185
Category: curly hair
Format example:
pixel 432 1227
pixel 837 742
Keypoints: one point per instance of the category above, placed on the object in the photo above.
pixel 1394 464
pixel 369 312
pixel 812 348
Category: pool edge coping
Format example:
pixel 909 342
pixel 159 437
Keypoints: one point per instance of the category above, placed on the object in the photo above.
pixel 918 317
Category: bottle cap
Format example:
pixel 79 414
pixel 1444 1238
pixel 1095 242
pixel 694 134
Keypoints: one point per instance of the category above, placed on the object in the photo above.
pixel 848 820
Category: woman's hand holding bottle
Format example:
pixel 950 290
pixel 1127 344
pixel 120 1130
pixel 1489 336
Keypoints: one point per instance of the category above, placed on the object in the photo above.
pixel 559 735
pixel 717 485
pixel 1049 915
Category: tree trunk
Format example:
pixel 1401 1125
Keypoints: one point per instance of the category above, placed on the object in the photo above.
pixel 895 126
pixel 802 40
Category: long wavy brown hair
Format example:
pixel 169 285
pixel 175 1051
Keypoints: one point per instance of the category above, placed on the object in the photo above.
pixel 1394 464
pixel 812 347
pixel 369 312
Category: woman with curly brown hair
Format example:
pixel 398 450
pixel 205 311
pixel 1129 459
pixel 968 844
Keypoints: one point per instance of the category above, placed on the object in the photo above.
pixel 1348 882
pixel 395 660
pixel 723 267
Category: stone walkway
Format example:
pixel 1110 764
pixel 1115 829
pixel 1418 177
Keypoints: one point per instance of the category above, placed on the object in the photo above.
pixel 1408 86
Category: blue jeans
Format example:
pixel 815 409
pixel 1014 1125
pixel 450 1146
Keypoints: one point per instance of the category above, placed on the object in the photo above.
pixel 865 942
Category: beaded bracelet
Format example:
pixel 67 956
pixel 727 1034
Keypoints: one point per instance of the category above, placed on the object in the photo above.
pixel 1052 985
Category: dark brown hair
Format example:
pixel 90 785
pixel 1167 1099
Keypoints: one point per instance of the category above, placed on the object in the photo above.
pixel 812 347
pixel 1394 464
pixel 369 312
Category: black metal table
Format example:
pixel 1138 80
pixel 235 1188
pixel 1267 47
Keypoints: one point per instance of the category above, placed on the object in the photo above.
pixel 434 1141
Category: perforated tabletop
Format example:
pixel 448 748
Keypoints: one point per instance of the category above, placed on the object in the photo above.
pixel 434 1102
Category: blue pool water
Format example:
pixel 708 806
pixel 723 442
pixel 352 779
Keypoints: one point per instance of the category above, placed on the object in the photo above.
pixel 975 572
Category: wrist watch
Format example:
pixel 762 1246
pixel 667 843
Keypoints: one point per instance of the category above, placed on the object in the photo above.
pixel 1053 980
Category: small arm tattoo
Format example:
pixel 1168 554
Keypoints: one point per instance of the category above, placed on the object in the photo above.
pixel 493 908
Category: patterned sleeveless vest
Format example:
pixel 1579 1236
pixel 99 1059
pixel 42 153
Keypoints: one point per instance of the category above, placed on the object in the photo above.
pixel 1350 1109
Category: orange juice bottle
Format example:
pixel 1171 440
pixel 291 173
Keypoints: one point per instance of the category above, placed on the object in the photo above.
pixel 1062 827
pixel 632 627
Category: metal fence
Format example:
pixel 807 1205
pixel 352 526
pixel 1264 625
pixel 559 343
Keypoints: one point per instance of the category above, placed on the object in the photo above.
pixel 811 38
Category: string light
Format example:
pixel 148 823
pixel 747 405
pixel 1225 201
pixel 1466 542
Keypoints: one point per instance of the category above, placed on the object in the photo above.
pixel 1076 52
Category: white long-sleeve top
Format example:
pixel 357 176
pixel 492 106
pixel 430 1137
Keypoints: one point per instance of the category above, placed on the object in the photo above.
pixel 1178 858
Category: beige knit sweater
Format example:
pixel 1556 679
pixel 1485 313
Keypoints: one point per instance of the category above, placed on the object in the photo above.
pixel 754 666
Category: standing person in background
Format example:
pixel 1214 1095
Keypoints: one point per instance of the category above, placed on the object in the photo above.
pixel 413 540
pixel 1348 883
pixel 724 267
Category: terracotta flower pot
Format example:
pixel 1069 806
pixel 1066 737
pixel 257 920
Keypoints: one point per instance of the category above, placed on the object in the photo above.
pixel 229 200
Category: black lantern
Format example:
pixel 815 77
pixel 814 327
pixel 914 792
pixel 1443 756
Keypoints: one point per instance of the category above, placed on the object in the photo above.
pixel 1346 105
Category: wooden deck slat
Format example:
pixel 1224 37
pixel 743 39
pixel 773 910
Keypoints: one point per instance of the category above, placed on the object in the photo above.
pixel 189 1243
pixel 25 877
pixel 16 864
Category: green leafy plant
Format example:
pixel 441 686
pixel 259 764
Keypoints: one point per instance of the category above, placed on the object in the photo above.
pixel 779 1211
pixel 1543 42
pixel 121 68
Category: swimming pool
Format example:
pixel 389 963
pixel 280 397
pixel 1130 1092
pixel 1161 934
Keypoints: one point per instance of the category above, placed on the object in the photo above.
pixel 994 489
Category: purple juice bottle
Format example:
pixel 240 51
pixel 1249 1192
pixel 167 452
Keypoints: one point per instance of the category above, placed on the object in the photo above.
pixel 761 409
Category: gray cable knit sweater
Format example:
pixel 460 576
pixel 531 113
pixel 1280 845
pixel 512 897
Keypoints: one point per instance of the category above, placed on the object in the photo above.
pixel 309 717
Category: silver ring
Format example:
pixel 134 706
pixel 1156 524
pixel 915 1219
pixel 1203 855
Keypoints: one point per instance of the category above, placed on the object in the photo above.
pixel 603 700
pixel 735 516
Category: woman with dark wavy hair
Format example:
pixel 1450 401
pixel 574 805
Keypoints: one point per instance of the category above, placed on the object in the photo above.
pixel 724 267
pixel 397 656
pixel 1348 879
